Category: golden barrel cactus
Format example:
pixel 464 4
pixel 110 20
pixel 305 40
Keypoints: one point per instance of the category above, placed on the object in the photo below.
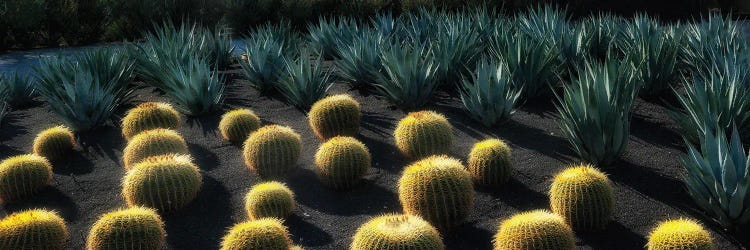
pixel 684 234
pixel 341 162
pixel 395 232
pixel 266 234
pixel 490 163
pixel 148 116
pixel 534 230
pixel 336 115
pixel 269 200
pixel 132 228
pixel 236 125
pixel 23 176
pixel 152 143
pixel 55 143
pixel 33 229
pixel 165 182
pixel 272 151
pixel 583 196
pixel 424 133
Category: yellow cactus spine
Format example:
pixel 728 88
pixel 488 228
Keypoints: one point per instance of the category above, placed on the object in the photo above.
pixel 236 125
pixel 266 234
pixel 341 162
pixel 23 176
pixel 337 115
pixel 438 189
pixel 165 182
pixel 148 116
pixel 685 234
pixel 534 230
pixel 424 133
pixel 55 143
pixel 132 228
pixel 272 151
pixel 397 231
pixel 583 196
pixel 269 200
pixel 33 229
pixel 490 163
pixel 152 143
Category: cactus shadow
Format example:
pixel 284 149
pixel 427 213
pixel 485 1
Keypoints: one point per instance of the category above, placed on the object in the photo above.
pixel 8 151
pixel 207 124
pixel 537 140
pixel 615 234
pixel 205 159
pixel 517 195
pixel 385 156
pixel 102 141
pixel 48 198
pixel 654 133
pixel 9 125
pixel 307 234
pixel 77 164
pixel 378 124
pixel 468 234
pixel 662 188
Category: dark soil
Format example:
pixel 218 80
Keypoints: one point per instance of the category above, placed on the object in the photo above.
pixel 647 180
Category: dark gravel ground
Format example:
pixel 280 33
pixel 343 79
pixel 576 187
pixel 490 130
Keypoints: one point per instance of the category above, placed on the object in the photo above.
pixel 646 180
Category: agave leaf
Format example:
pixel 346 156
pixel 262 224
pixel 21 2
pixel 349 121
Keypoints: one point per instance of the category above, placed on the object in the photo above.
pixel 490 96
pixel 20 88
pixel 329 34
pixel 303 83
pixel 409 75
pixel 266 49
pixel 360 60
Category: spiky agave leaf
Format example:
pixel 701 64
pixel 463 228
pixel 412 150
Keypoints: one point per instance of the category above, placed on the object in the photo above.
pixel 601 34
pixel 20 88
pixel 490 96
pixel 456 47
pixel 3 104
pixel 191 85
pixel 409 76
pixel 712 40
pixel 360 60
pixel 385 24
pixel 303 83
pixel 418 27
pixel 534 66
pixel 328 34
pixel 169 42
pixel 266 48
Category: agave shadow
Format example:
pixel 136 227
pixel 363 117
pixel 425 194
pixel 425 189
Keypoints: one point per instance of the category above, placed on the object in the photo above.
pixel 204 221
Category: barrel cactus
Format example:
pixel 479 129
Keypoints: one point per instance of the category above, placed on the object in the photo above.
pixel 266 234
pixel 33 229
pixel 397 231
pixel 165 182
pixel 55 143
pixel 269 200
pixel 534 230
pixel 341 162
pixel 22 176
pixel 583 196
pixel 148 116
pixel 337 115
pixel 438 189
pixel 152 143
pixel 684 234
pixel 236 125
pixel 490 162
pixel 272 151
pixel 132 228
pixel 424 133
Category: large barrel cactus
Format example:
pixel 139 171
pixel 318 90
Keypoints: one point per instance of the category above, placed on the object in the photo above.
pixel 272 151
pixel 266 234
pixel 33 229
pixel 152 143
pixel 22 176
pixel 337 115
pixel 341 162
pixel 148 116
pixel 490 163
pixel 438 189
pixel 236 125
pixel 424 133
pixel 165 182
pixel 395 232
pixel 55 143
pixel 534 230
pixel 269 200
pixel 583 196
pixel 126 229
pixel 684 234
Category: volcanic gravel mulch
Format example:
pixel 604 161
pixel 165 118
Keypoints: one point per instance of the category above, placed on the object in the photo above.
pixel 647 180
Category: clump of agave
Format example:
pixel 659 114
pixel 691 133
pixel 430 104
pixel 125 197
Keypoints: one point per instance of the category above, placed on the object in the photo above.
pixel 711 40
pixel 601 35
pixel 409 75
pixel 489 95
pixel 266 49
pixel 304 82
pixel 360 60
pixel 456 47
pixel 329 34
pixel 20 88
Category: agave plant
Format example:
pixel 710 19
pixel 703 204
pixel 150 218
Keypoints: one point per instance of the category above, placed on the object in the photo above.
pixel 266 50
pixel 191 84
pixel 385 24
pixel 534 66
pixel 360 61
pixel 409 76
pixel 418 27
pixel 19 88
pixel 87 89
pixel 712 40
pixel 601 34
pixel 456 47
pixel 169 41
pixel 595 110
pixel 327 35
pixel 3 104
pixel 303 83
pixel 490 96
pixel 546 24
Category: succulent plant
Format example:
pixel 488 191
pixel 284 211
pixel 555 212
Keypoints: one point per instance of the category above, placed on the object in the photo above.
pixel 269 200
pixel 150 115
pixel 272 151
pixel 684 234
pixel 164 182
pixel 490 162
pixel 422 134
pixel 20 88
pixel 534 230
pixel 438 189
pixel 709 41
pixel 583 196
pixel 360 61
pixel 131 228
pixel 236 125
pixel 267 47
pixel 397 231
pixel 55 143
pixel 328 34
pixel 33 229
pixel 341 162
pixel 152 143
pixel 267 234
pixel 456 48
pixel 490 96
pixel 336 115
pixel 409 76
pixel 22 176
pixel 302 82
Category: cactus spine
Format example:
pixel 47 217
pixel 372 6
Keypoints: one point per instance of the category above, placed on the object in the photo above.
pixel 337 115
pixel 33 229
pixel 55 143
pixel 269 200
pixel 236 125
pixel 132 228
pixel 396 231
pixel 152 143
pixel 534 230
pixel 341 162
pixel 583 196
pixel 266 234
pixel 684 234
pixel 422 134
pixel 148 116
pixel 22 176
pixel 165 182
pixel 438 189
pixel 272 151
pixel 490 163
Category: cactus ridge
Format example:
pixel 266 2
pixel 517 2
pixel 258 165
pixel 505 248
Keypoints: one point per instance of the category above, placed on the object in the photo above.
pixel 54 143
pixel 237 125
pixel 395 232
pixel 166 182
pixel 269 200
pixel 272 151
pixel 680 234
pixel 424 133
pixel 534 230
pixel 148 116
pixel 490 162
pixel 23 176
pixel 152 143
pixel 33 229
pixel 337 115
pixel 266 234
pixel 583 196
pixel 132 228
pixel 438 189
pixel 342 161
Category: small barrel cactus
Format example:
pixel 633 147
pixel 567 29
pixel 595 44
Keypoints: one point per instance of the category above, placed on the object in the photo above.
pixel 152 143
pixel 33 229
pixel 236 125
pixel 132 228
pixel 269 200
pixel 22 176
pixel 424 133
pixel 583 196
pixel 272 151
pixel 397 231
pixel 266 234
pixel 165 182
pixel 680 234
pixel 490 163
pixel 438 189
pixel 337 115
pixel 148 116
pixel 534 230
pixel 341 162
pixel 55 143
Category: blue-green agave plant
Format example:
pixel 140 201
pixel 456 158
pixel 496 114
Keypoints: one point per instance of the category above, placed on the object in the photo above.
pixel 329 34
pixel 19 87
pixel 304 82
pixel 456 46
pixel 712 40
pixel 266 50
pixel 359 61
pixel 489 95
pixel 409 76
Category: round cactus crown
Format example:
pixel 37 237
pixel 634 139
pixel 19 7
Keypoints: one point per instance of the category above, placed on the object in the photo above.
pixel 490 144
pixel 581 174
pixel 135 227
pixel 143 213
pixel 344 141
pixel 158 132
pixel 31 217
pixel 154 105
pixel 265 233
pixel 176 159
pixel 538 218
pixel 147 116
pixel 33 229
pixel 23 159
pixel 397 231
pixel 680 234
pixel 55 143
pixel 402 225
pixel 436 163
pixel 59 130
pixel 424 116
pixel 340 98
pixel 276 129
pixel 238 112
pixel 270 186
